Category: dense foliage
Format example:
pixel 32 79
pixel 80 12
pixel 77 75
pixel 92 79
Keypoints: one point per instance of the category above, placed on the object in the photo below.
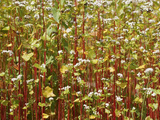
pixel 81 59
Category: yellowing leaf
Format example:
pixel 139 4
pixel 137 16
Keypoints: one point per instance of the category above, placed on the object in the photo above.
pixel 19 47
pixel 9 45
pixel 121 84
pixel 77 100
pixel 138 100
pixel 111 69
pixel 26 56
pixel 64 69
pixel 106 57
pixel 92 117
pixel 106 31
pixel 45 115
pixel 118 113
pixel 48 92
pixel 141 67
pixel 138 87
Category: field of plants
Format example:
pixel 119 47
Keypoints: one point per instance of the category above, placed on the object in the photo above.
pixel 79 60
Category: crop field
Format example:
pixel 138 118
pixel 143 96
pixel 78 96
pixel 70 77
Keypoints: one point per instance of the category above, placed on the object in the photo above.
pixel 80 60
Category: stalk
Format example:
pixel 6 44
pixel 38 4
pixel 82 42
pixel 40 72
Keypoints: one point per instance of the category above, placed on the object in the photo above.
pixel 114 83
pixel 44 74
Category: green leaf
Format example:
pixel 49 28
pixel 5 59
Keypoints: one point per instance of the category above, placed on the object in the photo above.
pixel 138 87
pixel 155 105
pixel 62 2
pixel 39 67
pixel 91 54
pixel 148 118
pixel 6 28
pixel 41 104
pixel 26 56
pixel 45 37
pixel 48 92
pixel 107 111
pixel 2 74
pixel 56 14
pixel 66 92
pixel 94 61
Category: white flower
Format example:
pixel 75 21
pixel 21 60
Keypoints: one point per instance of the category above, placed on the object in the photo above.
pixel 10 109
pixel 43 65
pixel 80 59
pixel 133 108
pixel 50 15
pixel 36 16
pixel 79 93
pixel 107 104
pixel 86 107
pixel 68 30
pixel 139 74
pixel 29 8
pixel 103 79
pixel 120 75
pixel 72 52
pixel 8 51
pixel 151 21
pixel 133 39
pixel 28 25
pixel 60 52
pixel 51 98
pixel 26 104
pixel 153 94
pixel 100 91
pixel 148 90
pixel 32 3
pixel 41 76
pixel 78 79
pixel 21 5
pixel 97 94
pixel 148 70
pixel 118 98
pixel 144 51
pixel 19 77
pixel 90 94
pixel 27 16
pixel 141 47
pixel 125 30
pixel 13 79
pixel 77 64
pixel 126 40
pixel 28 81
pixel 122 61
pixel 156 51
pixel 105 88
pixel 64 35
